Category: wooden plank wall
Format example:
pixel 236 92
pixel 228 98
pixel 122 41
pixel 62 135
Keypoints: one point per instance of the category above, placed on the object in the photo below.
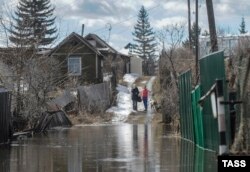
pixel 5 116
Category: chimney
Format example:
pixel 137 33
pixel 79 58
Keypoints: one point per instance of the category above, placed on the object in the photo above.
pixel 82 29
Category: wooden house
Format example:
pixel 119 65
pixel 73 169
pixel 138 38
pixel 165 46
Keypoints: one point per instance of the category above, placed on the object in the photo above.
pixel 80 61
pixel 114 61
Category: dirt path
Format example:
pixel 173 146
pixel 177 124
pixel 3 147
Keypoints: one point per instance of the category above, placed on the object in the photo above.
pixel 141 117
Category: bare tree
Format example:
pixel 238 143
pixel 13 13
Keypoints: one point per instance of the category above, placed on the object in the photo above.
pixel 173 36
pixel 174 59
pixel 28 79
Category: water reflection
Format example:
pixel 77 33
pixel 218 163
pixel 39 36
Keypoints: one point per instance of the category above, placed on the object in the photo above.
pixel 196 159
pixel 4 158
pixel 122 147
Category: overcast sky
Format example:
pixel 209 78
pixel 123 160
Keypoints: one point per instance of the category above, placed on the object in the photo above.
pixel 120 16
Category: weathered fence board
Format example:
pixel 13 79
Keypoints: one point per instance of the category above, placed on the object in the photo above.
pixel 95 97
pixel 49 120
pixel 5 116
pixel 61 101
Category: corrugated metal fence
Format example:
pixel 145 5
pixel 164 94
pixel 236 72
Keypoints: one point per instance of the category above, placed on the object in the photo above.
pixel 185 88
pixel 211 68
pixel 199 125
pixel 5 115
pixel 197 114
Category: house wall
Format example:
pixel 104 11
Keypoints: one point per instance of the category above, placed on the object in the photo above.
pixel 117 62
pixel 126 62
pixel 88 60
pixel 136 65
pixel 120 67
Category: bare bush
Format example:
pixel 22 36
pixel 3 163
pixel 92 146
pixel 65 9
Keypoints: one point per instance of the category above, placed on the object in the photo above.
pixel 182 60
pixel 174 60
pixel 240 67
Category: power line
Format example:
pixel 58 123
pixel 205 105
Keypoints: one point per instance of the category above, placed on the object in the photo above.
pixel 114 25
pixel 125 20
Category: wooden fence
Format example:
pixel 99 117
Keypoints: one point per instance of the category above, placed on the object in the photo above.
pixel 95 97
pixel 5 116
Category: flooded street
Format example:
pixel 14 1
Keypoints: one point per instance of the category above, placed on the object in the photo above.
pixel 111 147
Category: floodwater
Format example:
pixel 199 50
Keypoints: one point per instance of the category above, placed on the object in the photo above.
pixel 106 148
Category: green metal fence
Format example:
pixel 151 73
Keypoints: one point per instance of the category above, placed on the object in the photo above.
pixel 212 68
pixel 197 114
pixel 199 125
pixel 186 115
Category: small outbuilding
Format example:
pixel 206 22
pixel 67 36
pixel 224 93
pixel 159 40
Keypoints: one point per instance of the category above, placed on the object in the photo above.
pixel 136 65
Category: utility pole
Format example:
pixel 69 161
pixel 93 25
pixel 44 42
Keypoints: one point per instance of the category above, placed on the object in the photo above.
pixel 82 30
pixel 189 26
pixel 211 23
pixel 196 40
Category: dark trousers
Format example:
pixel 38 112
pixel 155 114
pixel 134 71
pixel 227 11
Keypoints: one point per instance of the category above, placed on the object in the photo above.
pixel 145 102
pixel 134 104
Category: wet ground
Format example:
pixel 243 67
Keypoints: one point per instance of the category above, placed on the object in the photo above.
pixel 106 148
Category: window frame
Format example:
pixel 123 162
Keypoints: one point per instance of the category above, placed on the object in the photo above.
pixel 80 63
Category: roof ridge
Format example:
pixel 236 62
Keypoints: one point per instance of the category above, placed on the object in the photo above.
pixel 81 38
pixel 102 41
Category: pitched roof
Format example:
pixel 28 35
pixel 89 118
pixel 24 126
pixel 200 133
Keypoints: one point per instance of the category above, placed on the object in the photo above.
pixel 101 42
pixel 82 39
pixel 105 46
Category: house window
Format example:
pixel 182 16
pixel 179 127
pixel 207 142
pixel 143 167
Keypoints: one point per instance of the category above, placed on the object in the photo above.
pixel 74 66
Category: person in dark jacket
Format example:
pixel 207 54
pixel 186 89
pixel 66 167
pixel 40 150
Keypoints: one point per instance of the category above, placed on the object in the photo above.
pixel 135 95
